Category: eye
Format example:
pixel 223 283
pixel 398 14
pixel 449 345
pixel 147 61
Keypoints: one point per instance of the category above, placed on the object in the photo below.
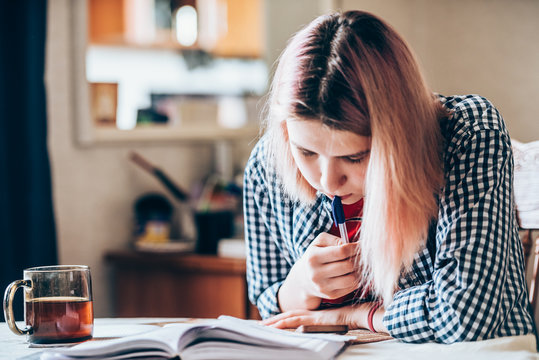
pixel 354 160
pixel 306 153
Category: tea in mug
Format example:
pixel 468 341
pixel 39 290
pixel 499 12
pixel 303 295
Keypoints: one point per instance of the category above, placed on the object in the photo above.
pixel 59 319
pixel 58 304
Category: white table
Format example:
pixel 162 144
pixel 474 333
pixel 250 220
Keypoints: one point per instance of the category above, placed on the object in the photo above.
pixel 509 348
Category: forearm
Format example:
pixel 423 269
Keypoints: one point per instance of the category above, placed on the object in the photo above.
pixel 378 321
pixel 359 318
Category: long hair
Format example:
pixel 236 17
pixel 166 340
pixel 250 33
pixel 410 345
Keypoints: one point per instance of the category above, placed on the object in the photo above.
pixel 354 72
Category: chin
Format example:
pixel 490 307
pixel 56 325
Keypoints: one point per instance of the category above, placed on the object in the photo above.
pixel 347 199
pixel 351 199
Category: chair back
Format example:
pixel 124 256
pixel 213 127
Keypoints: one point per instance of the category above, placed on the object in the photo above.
pixel 526 195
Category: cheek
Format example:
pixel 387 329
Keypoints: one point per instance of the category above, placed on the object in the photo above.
pixel 357 176
pixel 308 168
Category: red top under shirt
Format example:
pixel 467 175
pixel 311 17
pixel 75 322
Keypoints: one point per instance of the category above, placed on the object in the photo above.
pixel 353 214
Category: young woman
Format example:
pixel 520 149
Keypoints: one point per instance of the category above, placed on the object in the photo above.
pixel 426 185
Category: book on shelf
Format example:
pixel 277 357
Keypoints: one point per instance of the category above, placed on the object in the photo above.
pixel 223 338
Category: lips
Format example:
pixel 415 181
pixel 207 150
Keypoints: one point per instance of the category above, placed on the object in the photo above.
pixel 344 197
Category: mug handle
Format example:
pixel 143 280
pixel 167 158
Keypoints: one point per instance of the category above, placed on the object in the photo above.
pixel 8 308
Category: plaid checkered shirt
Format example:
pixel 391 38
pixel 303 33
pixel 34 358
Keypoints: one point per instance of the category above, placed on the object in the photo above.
pixel 467 284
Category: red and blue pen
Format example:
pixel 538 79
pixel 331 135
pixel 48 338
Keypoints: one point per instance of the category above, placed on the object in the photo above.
pixel 338 217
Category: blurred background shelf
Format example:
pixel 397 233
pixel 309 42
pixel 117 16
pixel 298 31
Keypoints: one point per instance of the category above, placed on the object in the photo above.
pixel 136 55
pixel 157 133
pixel 228 28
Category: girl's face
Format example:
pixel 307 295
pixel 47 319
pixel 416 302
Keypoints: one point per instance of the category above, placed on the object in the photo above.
pixel 333 162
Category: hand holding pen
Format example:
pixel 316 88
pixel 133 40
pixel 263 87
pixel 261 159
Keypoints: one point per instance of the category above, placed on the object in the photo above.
pixel 338 218
pixel 326 270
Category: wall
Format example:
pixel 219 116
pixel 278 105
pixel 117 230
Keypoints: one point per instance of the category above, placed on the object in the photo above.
pixel 285 17
pixel 488 47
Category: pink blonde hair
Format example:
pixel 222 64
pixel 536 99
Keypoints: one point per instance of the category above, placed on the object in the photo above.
pixel 353 72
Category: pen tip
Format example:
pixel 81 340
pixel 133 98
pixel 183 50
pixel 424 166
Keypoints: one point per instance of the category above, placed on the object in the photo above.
pixel 337 210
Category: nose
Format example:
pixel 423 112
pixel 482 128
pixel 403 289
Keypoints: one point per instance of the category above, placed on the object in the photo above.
pixel 332 178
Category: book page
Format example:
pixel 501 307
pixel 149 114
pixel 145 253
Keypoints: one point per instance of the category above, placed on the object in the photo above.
pixel 246 339
pixel 161 342
pixel 245 351
pixel 226 338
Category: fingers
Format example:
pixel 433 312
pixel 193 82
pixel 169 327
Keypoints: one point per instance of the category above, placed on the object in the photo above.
pixel 340 268
pixel 293 322
pixel 276 318
pixel 331 275
pixel 326 254
pixel 329 286
pixel 291 319
pixel 343 286
pixel 326 239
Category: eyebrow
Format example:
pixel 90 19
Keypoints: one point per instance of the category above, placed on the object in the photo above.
pixel 356 155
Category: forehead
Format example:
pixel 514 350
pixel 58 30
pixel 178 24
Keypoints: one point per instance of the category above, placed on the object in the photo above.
pixel 312 135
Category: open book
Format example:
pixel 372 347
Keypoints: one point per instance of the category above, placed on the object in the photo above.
pixel 224 338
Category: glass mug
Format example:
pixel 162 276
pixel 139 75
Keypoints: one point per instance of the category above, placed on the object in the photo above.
pixel 58 304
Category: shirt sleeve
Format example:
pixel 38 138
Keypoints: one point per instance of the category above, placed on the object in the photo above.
pixel 475 239
pixel 266 266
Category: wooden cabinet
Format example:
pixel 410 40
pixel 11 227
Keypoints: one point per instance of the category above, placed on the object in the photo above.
pixel 186 285
pixel 243 36
pixel 106 21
